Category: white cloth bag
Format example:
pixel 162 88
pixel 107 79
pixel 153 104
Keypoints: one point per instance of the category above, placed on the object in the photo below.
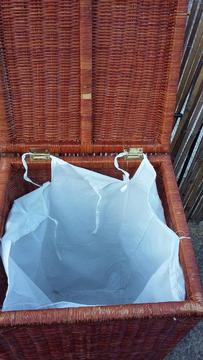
pixel 89 239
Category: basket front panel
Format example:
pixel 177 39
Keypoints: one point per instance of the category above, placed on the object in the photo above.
pixel 124 339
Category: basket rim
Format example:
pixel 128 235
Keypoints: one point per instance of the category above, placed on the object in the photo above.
pixel 173 310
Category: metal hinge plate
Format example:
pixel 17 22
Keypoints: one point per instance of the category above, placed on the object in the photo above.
pixel 134 153
pixel 39 155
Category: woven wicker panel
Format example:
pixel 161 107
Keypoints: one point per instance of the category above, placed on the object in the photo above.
pixel 40 60
pixel 58 55
pixel 132 47
pixel 137 339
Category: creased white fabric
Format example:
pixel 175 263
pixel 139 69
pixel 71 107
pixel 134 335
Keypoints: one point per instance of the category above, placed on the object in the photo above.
pixel 89 239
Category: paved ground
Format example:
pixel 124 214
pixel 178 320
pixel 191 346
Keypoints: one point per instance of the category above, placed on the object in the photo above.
pixel 191 347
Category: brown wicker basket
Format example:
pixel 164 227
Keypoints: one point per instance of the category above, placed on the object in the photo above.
pixel 85 79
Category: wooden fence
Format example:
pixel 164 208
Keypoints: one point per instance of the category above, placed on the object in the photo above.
pixel 187 136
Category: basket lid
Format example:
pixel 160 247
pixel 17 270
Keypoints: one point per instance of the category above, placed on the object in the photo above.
pixel 89 76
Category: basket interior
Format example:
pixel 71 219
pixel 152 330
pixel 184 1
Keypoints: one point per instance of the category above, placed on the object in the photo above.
pixel 40 173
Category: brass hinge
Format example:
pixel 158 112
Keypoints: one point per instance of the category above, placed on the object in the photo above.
pixel 39 155
pixel 134 153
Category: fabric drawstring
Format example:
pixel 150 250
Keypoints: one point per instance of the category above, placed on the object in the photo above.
pixel 55 238
pixel 125 173
pixel 25 176
pixel 184 237
pixel 97 218
pixel 125 178
pixel 55 222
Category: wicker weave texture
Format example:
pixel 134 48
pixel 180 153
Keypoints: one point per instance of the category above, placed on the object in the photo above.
pixel 131 60
pixel 92 76
pixel 123 339
pixel 86 74
pixel 40 56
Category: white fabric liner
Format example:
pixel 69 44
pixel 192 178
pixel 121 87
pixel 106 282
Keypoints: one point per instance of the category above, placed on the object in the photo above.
pixel 89 239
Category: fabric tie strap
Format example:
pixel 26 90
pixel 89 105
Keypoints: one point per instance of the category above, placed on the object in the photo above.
pixel 125 173
pixel 25 176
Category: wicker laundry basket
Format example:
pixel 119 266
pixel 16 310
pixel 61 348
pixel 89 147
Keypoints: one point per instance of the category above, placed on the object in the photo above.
pixel 84 80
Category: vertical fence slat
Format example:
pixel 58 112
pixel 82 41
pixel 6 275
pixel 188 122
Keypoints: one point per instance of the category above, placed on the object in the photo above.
pixel 196 12
pixel 191 64
pixel 187 142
